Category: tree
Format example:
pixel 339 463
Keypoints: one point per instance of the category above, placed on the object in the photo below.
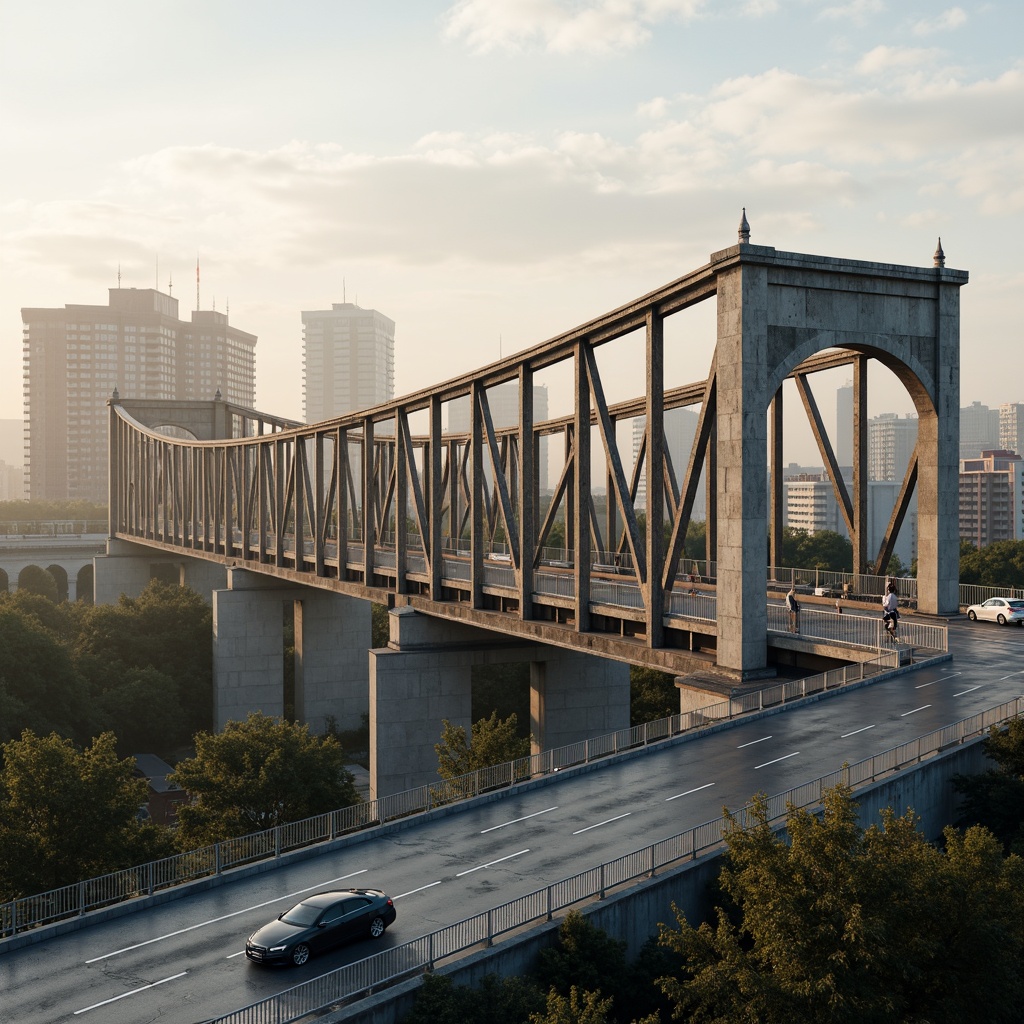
pixel 258 774
pixel 497 1001
pixel 35 580
pixel 494 741
pixel 652 695
pixel 68 815
pixel 841 924
pixel 40 688
pixel 1000 564
pixel 823 549
pixel 586 958
pixel 575 1008
pixel 995 798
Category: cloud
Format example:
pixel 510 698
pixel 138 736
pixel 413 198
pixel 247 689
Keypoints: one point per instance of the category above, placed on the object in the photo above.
pixel 899 58
pixel 561 26
pixel 947 21
pixel 857 11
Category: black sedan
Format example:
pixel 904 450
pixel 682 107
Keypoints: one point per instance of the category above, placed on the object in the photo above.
pixel 320 922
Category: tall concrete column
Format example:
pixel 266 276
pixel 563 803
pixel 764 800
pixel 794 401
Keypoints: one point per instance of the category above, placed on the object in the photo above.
pixel 248 647
pixel 938 479
pixel 203 576
pixel 742 367
pixel 332 638
pixel 575 696
pixel 425 676
pixel 126 568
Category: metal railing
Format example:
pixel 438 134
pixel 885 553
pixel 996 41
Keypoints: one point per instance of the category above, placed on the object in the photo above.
pixel 145 879
pixel 421 954
pixel 857 630
pixel 53 528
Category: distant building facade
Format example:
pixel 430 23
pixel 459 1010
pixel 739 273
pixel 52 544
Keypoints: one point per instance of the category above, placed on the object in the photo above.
pixel 348 360
pixel 979 430
pixel 891 441
pixel 76 355
pixel 680 428
pixel 991 503
pixel 1011 427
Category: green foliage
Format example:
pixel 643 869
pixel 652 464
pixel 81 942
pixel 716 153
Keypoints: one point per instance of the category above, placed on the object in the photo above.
pixel 846 925
pixel 652 695
pixel 585 958
pixel 504 689
pixel 258 774
pixel 38 510
pixel 40 688
pixel 823 549
pixel 494 741
pixel 997 565
pixel 575 1008
pixel 68 814
pixel 695 545
pixel 496 1001
pixel 34 580
pixel 380 629
pixel 995 798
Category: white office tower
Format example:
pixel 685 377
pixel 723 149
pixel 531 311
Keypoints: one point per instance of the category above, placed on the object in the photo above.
pixel 844 426
pixel 891 441
pixel 348 356
pixel 1011 427
pixel 979 430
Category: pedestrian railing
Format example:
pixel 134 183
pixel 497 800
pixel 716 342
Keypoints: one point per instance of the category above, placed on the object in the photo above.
pixel 422 954
pixel 145 879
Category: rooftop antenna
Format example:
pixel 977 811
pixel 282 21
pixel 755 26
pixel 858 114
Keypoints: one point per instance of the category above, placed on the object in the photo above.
pixel 119 274
pixel 170 284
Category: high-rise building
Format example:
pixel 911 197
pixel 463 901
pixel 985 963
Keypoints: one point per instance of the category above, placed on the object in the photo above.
pixel 75 356
pixel 991 504
pixel 1011 427
pixel 503 402
pixel 891 441
pixel 680 428
pixel 348 356
pixel 979 430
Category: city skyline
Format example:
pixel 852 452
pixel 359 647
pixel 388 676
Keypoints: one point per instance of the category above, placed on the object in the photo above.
pixel 521 168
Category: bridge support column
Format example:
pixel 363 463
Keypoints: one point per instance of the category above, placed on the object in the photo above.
pixel 742 362
pixel 332 634
pixel 425 675
pixel 126 568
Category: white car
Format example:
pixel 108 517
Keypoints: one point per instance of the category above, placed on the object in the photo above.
pixel 998 609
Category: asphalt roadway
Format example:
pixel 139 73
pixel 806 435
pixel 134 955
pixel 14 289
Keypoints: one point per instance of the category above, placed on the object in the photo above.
pixel 183 962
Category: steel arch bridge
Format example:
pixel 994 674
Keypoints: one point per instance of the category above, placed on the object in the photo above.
pixel 385 505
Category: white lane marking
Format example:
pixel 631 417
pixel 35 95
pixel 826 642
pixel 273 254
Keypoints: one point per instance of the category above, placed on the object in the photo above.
pixel 915 711
pixel 752 742
pixel 134 991
pixel 970 689
pixel 776 761
pixel 855 731
pixel 1011 675
pixel 689 791
pixel 607 821
pixel 225 917
pixel 491 863
pixel 941 679
pixel 515 821
pixel 412 891
pixel 231 956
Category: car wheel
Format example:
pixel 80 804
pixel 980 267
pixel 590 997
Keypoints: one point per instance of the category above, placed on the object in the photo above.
pixel 377 927
pixel 300 954
pixel 1001 619
pixel 973 616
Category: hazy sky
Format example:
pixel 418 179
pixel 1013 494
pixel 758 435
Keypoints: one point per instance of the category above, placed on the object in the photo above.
pixel 494 172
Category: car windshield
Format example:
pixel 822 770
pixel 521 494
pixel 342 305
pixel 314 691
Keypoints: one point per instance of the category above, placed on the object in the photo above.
pixel 301 914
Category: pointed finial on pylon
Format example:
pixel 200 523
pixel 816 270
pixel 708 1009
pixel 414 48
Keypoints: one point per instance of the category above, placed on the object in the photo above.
pixel 744 232
pixel 939 259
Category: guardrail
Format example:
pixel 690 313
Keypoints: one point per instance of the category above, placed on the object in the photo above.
pixel 421 954
pixel 53 527
pixel 145 879
pixel 857 630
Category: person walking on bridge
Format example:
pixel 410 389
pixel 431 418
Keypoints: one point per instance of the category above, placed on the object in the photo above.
pixel 891 613
pixel 793 607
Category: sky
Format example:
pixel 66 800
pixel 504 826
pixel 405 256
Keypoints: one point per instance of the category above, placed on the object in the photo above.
pixel 491 173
